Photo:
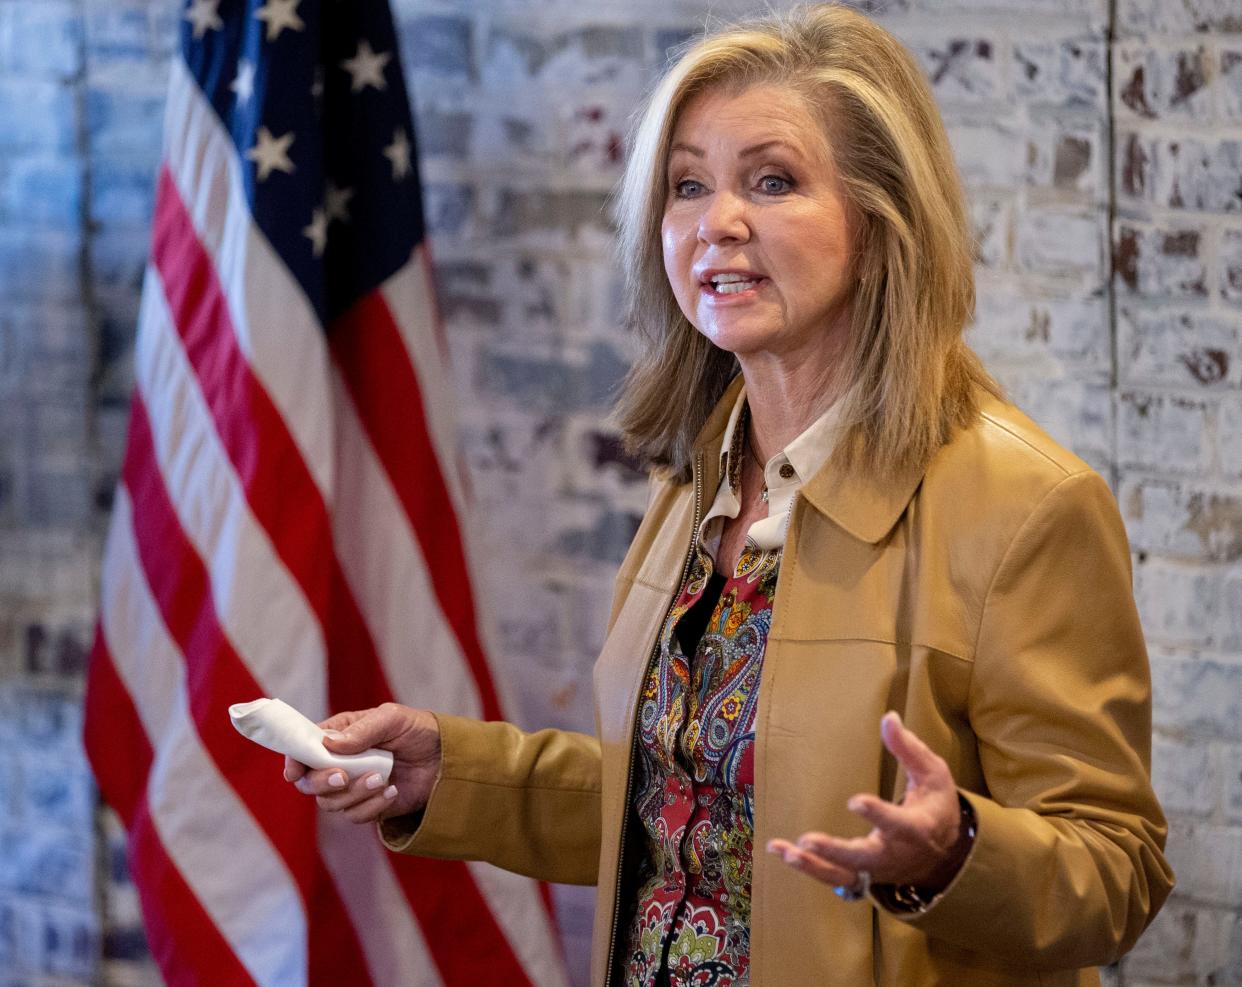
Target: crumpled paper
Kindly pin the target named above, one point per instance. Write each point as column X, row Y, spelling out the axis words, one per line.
column 279, row 727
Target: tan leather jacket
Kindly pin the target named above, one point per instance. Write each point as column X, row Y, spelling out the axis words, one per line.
column 988, row 600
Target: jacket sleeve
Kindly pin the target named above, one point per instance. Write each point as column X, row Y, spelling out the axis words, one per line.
column 526, row 802
column 1067, row 866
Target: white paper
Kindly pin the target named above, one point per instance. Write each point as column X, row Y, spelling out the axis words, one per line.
column 281, row 728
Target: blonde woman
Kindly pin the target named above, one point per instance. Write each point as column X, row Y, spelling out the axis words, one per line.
column 874, row 702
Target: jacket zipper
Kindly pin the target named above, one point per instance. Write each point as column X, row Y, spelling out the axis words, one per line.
column 629, row 781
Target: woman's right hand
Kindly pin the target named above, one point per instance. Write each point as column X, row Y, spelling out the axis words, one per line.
column 413, row 736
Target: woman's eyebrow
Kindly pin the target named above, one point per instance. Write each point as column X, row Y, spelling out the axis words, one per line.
column 745, row 152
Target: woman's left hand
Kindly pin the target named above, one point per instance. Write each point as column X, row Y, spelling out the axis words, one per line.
column 917, row 842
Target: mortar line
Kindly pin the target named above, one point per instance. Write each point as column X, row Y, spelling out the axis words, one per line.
column 1110, row 287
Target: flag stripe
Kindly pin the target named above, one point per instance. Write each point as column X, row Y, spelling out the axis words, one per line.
column 270, row 316
column 183, row 940
column 248, row 891
column 395, row 945
column 392, row 581
column 262, row 610
column 216, row 677
column 277, row 483
column 411, row 302
column 367, row 348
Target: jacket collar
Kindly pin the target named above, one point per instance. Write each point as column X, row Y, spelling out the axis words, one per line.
column 865, row 505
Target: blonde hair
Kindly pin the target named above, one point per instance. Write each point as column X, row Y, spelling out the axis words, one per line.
column 917, row 380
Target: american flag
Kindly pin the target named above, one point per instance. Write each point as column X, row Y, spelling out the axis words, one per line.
column 290, row 521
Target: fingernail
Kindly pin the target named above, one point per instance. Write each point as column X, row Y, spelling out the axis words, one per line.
column 390, row 792
column 300, row 785
column 374, row 781
column 791, row 856
column 334, row 734
column 854, row 805
column 337, row 780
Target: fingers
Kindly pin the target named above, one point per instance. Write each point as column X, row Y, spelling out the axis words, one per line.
column 353, row 733
column 919, row 760
column 852, row 855
column 881, row 814
column 811, row 864
column 335, row 793
column 294, row 769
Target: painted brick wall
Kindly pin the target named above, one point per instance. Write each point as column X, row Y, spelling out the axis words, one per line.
column 1101, row 143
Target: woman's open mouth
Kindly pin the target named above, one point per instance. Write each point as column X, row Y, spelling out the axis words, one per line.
column 731, row 285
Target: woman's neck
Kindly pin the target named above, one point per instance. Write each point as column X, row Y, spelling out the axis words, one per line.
column 783, row 404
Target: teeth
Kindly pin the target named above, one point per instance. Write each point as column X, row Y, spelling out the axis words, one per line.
column 732, row 284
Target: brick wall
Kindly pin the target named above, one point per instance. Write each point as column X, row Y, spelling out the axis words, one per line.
column 1101, row 143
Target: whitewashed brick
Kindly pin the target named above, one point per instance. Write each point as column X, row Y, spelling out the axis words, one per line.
column 990, row 226
column 123, row 192
column 550, row 219
column 124, row 109
column 1184, row 348
column 1067, row 159
column 1160, row 262
column 1182, row 519
column 1231, row 613
column 1231, row 760
column 1180, row 17
column 1164, row 433
column 1208, row 861
column 989, row 155
column 1049, row 338
column 41, row 190
column 1069, row 72
column 1178, row 603
column 1164, row 84
column 1231, row 266
column 39, row 265
column 1200, row 697
column 962, row 68
column 134, row 33
column 1229, row 437
column 1229, row 83
column 1061, row 243
column 1186, row 776
column 40, row 115
column 40, row 39
column 1180, row 173
column 1184, row 944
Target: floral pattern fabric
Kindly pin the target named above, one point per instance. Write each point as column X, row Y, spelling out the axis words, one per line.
column 694, row 783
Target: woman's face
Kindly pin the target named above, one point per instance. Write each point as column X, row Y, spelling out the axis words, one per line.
column 756, row 233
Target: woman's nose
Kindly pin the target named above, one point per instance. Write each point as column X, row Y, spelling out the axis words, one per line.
column 723, row 219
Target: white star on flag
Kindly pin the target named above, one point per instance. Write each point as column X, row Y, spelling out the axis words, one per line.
column 205, row 16
column 243, row 83
column 398, row 152
column 317, row 231
column 366, row 68
column 271, row 153
column 278, row 15
column 337, row 200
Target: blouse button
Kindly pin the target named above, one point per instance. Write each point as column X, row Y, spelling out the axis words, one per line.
column 786, row 471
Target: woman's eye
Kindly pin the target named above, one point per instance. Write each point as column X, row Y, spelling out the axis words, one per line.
column 687, row 188
column 775, row 184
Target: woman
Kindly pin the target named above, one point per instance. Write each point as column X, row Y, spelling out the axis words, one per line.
column 854, row 523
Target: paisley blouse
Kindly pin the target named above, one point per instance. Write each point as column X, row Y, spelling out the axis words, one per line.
column 694, row 777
